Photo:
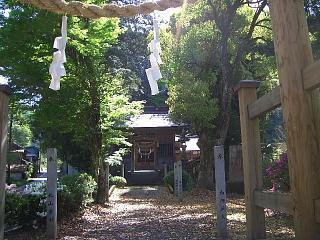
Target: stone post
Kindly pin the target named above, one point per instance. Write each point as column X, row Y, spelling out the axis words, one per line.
column 178, row 180
column 52, row 193
column 221, row 197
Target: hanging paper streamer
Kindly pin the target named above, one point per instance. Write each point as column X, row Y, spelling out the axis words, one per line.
column 57, row 69
column 155, row 48
column 154, row 73
column 155, row 67
column 152, row 81
column 156, row 30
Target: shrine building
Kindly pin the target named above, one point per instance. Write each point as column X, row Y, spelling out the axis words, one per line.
column 153, row 140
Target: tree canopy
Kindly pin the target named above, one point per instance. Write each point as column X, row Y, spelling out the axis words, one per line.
column 81, row 119
column 212, row 45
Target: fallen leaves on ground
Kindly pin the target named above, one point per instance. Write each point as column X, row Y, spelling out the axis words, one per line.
column 153, row 213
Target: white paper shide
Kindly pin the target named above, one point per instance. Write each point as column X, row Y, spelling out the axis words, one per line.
column 154, row 73
column 57, row 69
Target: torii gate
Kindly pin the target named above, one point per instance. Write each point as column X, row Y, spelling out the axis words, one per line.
column 299, row 76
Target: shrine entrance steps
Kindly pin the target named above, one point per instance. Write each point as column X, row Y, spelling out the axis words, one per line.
column 144, row 177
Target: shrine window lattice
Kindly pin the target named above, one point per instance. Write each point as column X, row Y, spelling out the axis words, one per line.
column 165, row 150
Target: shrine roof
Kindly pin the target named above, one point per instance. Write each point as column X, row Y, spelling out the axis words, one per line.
column 148, row 120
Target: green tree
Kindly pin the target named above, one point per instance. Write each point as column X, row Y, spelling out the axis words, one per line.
column 19, row 129
column 75, row 119
column 20, row 117
column 22, row 134
column 130, row 54
column 213, row 42
column 312, row 8
column 192, row 79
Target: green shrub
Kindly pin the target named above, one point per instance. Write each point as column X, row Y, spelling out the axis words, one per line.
column 74, row 192
column 187, row 181
column 78, row 189
column 66, row 203
column 120, row 182
column 23, row 209
column 32, row 170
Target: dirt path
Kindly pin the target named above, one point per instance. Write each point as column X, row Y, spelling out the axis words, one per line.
column 151, row 213
column 145, row 213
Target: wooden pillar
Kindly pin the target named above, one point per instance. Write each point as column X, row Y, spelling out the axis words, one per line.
column 251, row 151
column 293, row 52
column 52, row 193
column 155, row 157
column 221, row 198
column 4, row 102
column 133, row 163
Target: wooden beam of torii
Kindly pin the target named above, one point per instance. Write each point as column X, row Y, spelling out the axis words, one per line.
column 76, row 8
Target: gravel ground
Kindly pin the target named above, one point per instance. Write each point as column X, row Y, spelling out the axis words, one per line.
column 152, row 213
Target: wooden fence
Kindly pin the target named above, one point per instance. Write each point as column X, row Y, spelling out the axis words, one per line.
column 251, row 109
column 298, row 95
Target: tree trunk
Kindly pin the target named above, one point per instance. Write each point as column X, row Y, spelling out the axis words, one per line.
column 102, row 184
column 96, row 158
column 95, row 132
column 99, row 166
column 205, row 177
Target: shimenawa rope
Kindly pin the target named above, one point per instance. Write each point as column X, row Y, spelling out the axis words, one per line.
column 76, row 8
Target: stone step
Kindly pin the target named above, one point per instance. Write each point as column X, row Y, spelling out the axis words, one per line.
column 144, row 177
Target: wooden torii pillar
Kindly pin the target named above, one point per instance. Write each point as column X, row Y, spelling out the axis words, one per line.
column 293, row 53
column 4, row 102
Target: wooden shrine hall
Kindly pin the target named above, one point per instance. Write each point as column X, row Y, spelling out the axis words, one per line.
column 153, row 140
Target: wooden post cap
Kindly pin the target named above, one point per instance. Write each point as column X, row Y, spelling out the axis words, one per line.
column 247, row 84
column 6, row 89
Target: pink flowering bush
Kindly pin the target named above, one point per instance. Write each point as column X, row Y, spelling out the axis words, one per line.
column 278, row 174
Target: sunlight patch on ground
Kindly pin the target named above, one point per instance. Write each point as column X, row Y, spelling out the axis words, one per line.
column 237, row 217
column 284, row 230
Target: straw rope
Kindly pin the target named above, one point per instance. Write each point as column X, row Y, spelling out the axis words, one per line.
column 76, row 8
